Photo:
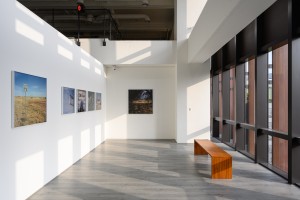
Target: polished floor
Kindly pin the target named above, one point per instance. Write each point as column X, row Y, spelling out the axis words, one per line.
column 161, row 169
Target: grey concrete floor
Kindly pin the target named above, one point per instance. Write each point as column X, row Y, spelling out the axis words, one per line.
column 161, row 169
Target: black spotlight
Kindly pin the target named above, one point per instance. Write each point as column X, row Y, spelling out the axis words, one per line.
column 104, row 42
column 77, row 42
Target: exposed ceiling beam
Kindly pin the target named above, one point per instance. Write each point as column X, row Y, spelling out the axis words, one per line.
column 128, row 15
column 67, row 4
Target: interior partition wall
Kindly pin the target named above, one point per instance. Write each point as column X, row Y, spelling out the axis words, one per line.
column 256, row 96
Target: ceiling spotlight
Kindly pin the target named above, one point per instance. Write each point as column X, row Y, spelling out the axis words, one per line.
column 145, row 3
column 77, row 42
column 114, row 67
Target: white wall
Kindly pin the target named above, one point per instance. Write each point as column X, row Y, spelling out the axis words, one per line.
column 194, row 9
column 33, row 155
column 193, row 87
column 132, row 52
column 160, row 124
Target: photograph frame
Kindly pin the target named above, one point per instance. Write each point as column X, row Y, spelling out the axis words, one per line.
column 81, row 94
column 140, row 101
column 98, row 105
column 91, row 101
column 65, row 100
column 28, row 99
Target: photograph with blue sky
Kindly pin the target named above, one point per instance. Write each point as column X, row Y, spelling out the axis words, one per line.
column 37, row 86
column 29, row 99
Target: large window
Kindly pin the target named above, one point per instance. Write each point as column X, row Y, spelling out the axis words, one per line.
column 280, row 106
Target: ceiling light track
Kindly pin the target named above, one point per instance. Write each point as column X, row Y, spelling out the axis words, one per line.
column 99, row 16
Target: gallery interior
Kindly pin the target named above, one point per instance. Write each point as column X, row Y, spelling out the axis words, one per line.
column 150, row 99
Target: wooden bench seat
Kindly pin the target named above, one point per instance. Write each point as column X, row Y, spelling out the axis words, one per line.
column 221, row 161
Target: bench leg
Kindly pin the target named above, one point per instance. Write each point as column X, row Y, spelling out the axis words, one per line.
column 221, row 168
column 198, row 150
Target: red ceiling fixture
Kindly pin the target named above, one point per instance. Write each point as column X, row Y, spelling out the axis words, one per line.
column 80, row 6
column 80, row 9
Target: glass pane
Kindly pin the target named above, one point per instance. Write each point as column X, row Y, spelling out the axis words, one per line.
column 250, row 92
column 232, row 104
column 250, row 105
column 232, row 135
column 220, row 106
column 270, row 86
column 246, row 91
column 250, row 141
column 270, row 150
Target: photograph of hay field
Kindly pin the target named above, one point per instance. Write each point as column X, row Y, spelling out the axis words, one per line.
column 91, row 101
column 98, row 101
column 81, row 100
column 140, row 102
column 29, row 99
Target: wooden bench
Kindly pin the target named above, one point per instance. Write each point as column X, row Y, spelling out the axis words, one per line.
column 221, row 162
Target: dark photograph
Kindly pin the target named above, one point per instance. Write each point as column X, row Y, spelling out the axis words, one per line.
column 140, row 102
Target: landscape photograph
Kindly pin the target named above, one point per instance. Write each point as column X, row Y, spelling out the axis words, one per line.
column 68, row 100
column 81, row 100
column 91, row 101
column 98, row 101
column 29, row 99
column 140, row 102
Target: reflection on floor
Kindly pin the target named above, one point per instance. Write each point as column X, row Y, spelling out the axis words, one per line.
column 161, row 169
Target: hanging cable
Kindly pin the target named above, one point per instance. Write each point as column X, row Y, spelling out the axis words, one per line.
column 78, row 31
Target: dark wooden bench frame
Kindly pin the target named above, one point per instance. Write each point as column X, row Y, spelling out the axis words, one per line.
column 221, row 161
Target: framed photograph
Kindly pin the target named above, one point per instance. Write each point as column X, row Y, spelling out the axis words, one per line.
column 81, row 100
column 29, row 99
column 91, row 101
column 140, row 101
column 68, row 100
column 98, row 101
